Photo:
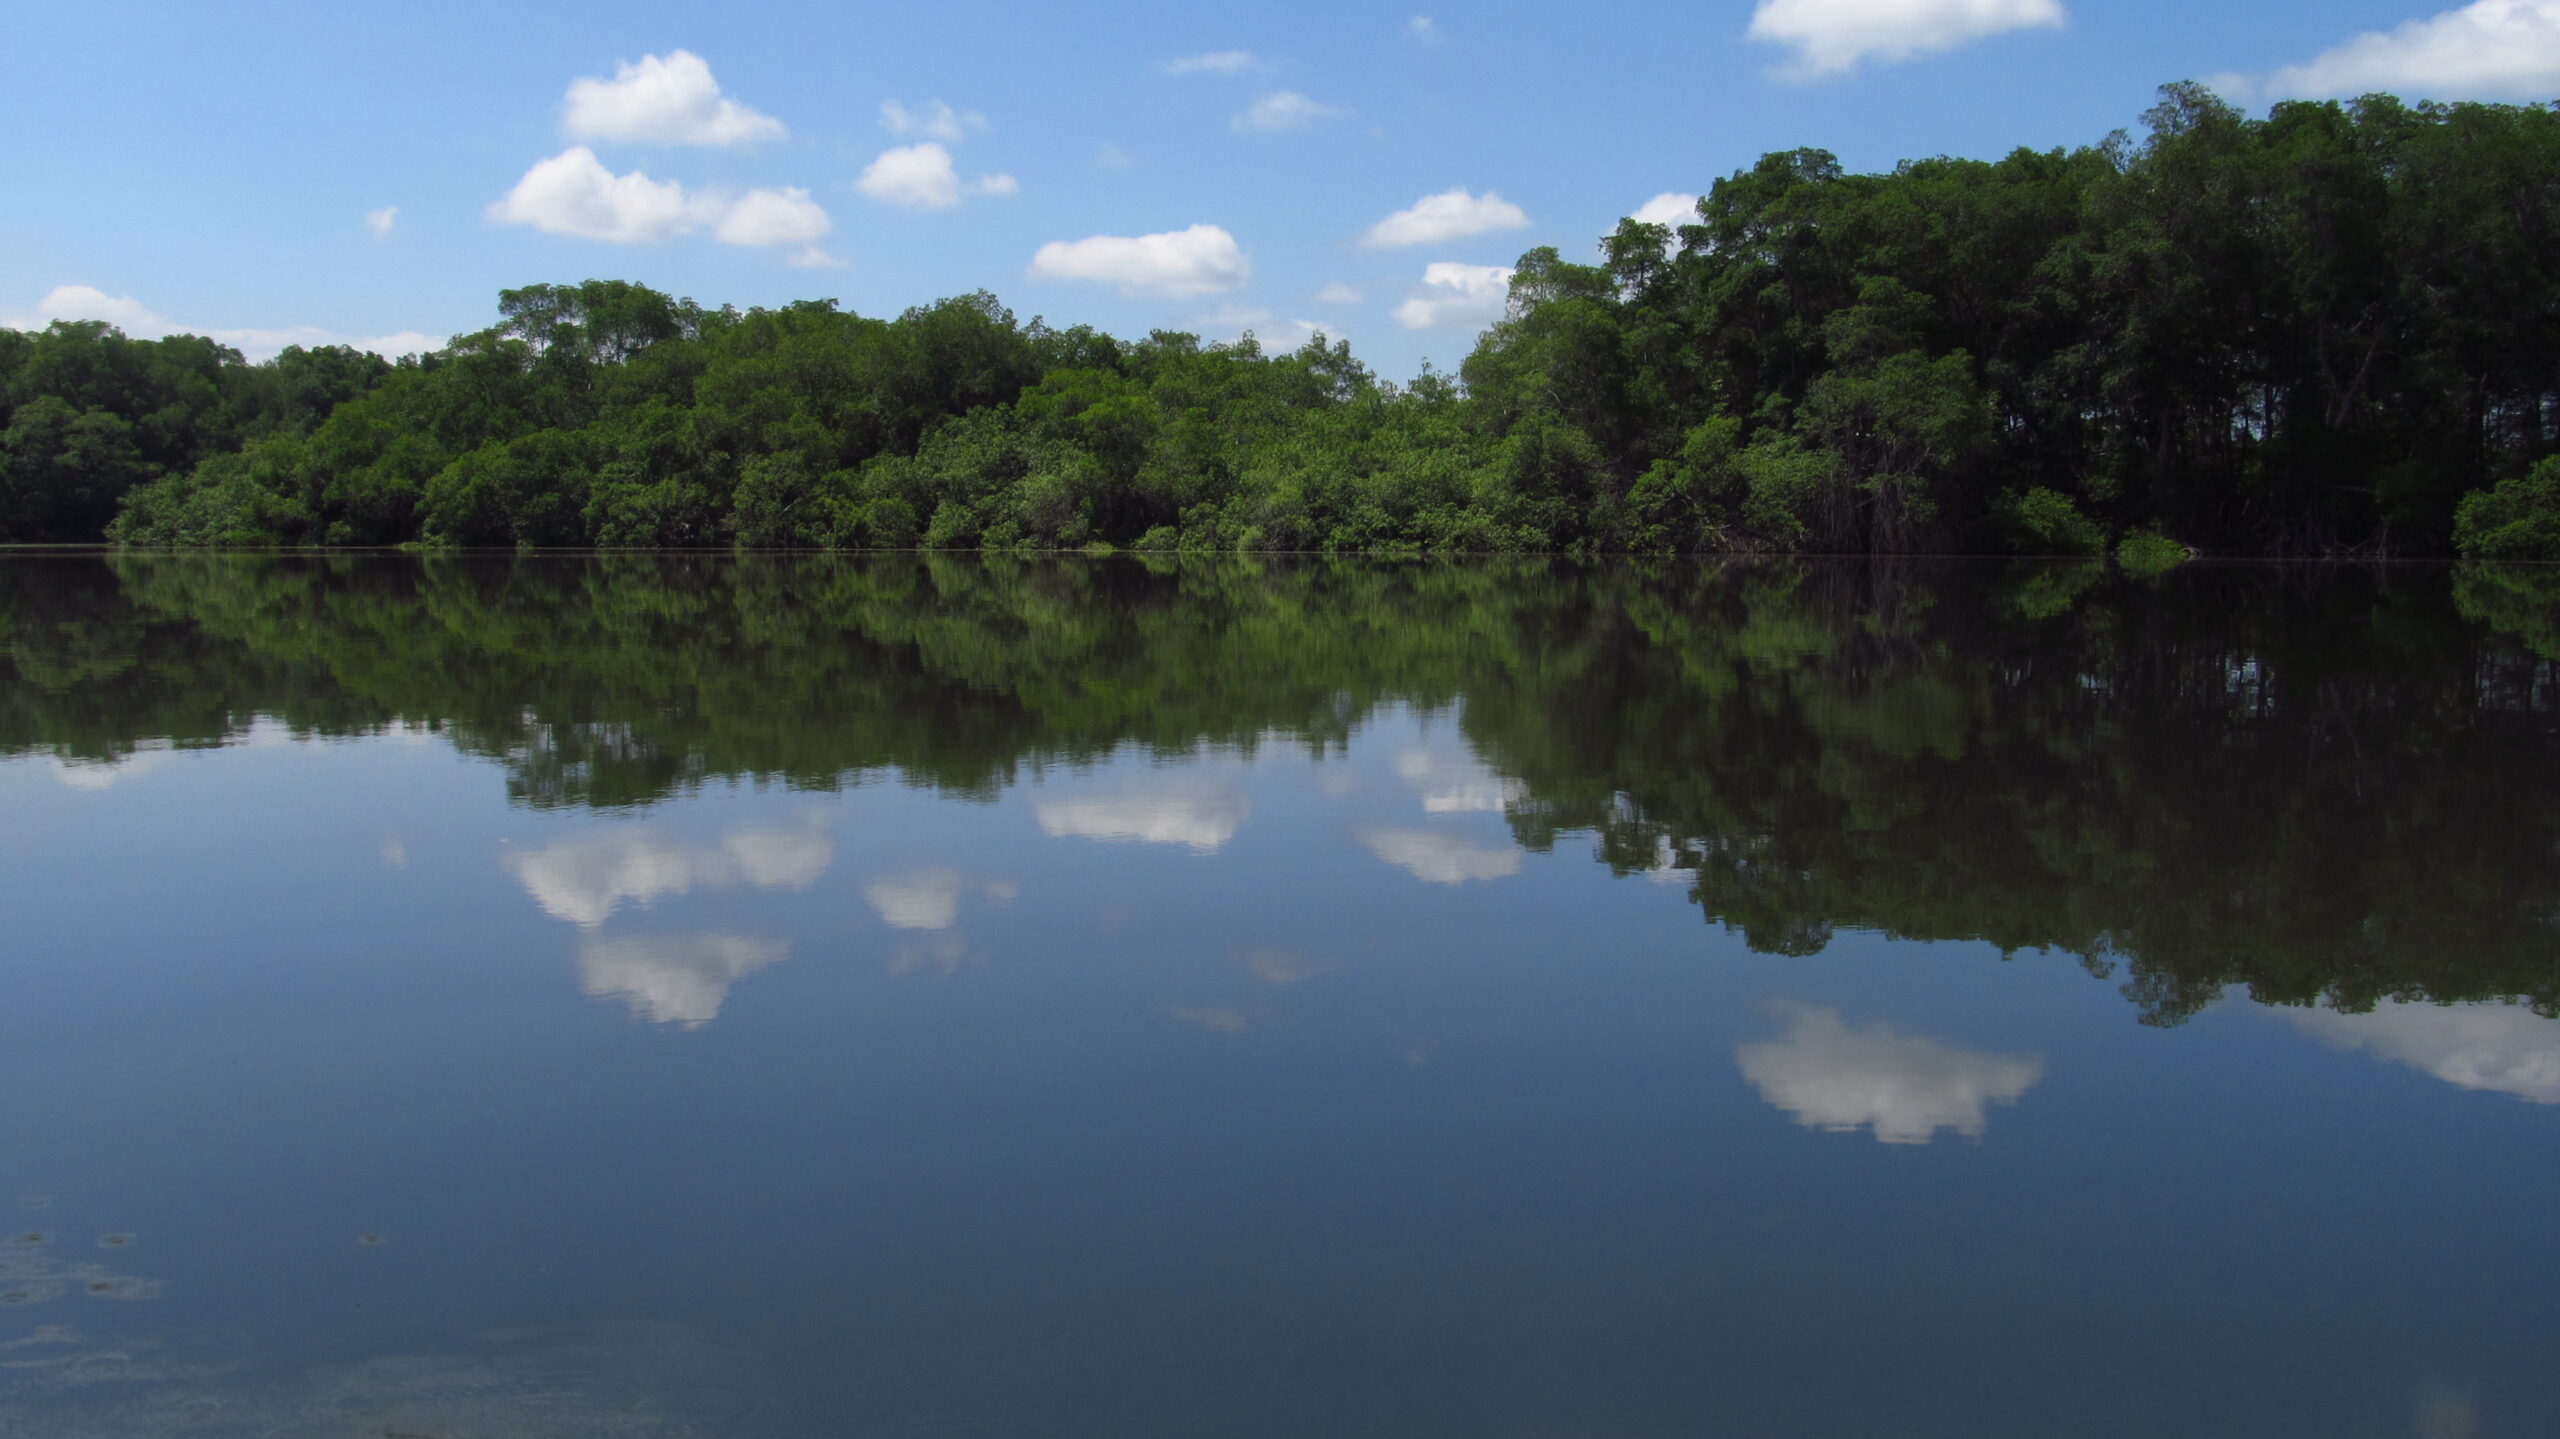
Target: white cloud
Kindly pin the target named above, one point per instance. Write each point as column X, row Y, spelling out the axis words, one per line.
column 1424, row 29
column 572, row 193
column 1213, row 1019
column 1831, row 36
column 1457, row 783
column 1902, row 1086
column 921, row 177
column 774, row 217
column 934, row 121
column 673, row 101
column 87, row 302
column 1671, row 207
column 674, row 979
column 2474, row 1046
column 1202, row 816
column 1202, row 260
column 1108, row 156
column 1452, row 293
column 1216, row 62
column 401, row 342
column 583, row 881
column 1337, row 293
column 1440, row 858
column 378, row 223
column 929, row 898
column 2491, row 50
column 1449, row 215
column 1284, row 110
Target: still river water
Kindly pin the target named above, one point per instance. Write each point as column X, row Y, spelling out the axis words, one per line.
column 641, row 997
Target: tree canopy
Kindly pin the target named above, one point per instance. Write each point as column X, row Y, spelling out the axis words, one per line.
column 2334, row 329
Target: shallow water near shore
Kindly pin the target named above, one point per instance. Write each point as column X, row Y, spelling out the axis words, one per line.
column 901, row 996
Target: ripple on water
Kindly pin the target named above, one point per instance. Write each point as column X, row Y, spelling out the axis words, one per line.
column 121, row 1286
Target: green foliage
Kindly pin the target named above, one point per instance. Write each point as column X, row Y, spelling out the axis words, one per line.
column 2517, row 519
column 2519, row 600
column 2149, row 552
column 2325, row 330
column 2041, row 521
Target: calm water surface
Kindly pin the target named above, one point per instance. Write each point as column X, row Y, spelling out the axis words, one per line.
column 564, row 996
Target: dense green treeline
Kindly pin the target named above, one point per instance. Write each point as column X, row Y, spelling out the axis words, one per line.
column 2334, row 329
column 2320, row 783
column 87, row 416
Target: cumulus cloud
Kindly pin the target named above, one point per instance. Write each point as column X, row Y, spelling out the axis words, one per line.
column 1216, row 62
column 1672, row 207
column 677, row 978
column 1202, row 260
column 378, row 223
column 583, row 881
column 1283, row 110
column 2473, row 1046
column 930, row 898
column 1449, row 215
column 774, row 217
column 671, row 101
column 87, row 302
column 1337, row 293
column 1424, row 29
column 1452, row 783
column 2491, row 50
column 1108, row 156
column 922, row 177
column 1440, row 858
column 1201, row 816
column 1832, row 36
column 572, row 193
column 1452, row 293
column 1903, row 1087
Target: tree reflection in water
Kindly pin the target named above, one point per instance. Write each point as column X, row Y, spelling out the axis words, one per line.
column 2325, row 784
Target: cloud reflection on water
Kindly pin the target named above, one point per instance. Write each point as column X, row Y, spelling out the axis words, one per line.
column 930, row 898
column 1202, row 816
column 1440, row 858
column 674, row 978
column 583, row 881
column 1902, row 1086
column 1457, row 783
column 2497, row 1047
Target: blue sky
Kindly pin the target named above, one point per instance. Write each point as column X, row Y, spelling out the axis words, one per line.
column 1364, row 168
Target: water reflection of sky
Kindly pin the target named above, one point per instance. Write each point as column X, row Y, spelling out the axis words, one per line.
column 1179, row 1094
